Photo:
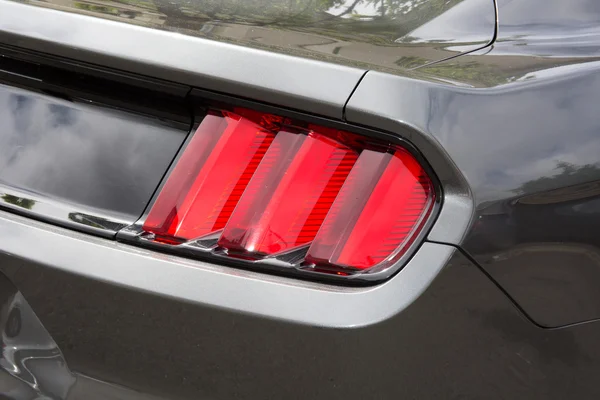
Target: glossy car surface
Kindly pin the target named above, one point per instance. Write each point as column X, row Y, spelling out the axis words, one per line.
column 500, row 298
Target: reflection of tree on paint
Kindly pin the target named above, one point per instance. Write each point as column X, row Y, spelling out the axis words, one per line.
column 299, row 12
column 368, row 20
column 18, row 201
column 471, row 72
column 569, row 175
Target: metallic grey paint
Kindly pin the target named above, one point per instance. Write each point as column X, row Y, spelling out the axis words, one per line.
column 216, row 286
column 31, row 364
column 462, row 338
column 520, row 123
column 529, row 148
column 387, row 35
column 263, row 76
column 538, row 137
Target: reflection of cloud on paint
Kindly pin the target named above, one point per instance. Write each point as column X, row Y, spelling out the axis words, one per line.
column 552, row 48
column 549, row 27
column 542, row 15
column 516, row 133
column 372, row 8
column 73, row 152
column 471, row 21
column 559, row 71
column 362, row 8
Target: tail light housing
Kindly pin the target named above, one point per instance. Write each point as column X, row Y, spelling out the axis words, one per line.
column 263, row 190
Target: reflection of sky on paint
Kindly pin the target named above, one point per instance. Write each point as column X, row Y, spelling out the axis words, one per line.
column 555, row 28
column 72, row 152
column 371, row 9
column 471, row 21
column 361, row 8
column 557, row 72
column 519, row 132
column 548, row 28
column 547, row 13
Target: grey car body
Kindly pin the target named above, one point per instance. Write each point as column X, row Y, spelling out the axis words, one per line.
column 500, row 300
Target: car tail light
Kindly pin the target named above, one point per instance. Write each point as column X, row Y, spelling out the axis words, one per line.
column 207, row 182
column 290, row 194
column 268, row 191
column 376, row 213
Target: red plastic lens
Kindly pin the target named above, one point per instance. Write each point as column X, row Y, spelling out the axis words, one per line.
column 210, row 177
column 376, row 214
column 290, row 194
column 257, row 186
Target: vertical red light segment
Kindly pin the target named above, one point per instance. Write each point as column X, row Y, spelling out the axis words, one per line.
column 205, row 186
column 289, row 195
column 375, row 216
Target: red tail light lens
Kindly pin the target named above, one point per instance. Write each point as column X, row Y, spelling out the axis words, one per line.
column 384, row 201
column 261, row 188
column 207, row 182
column 289, row 195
